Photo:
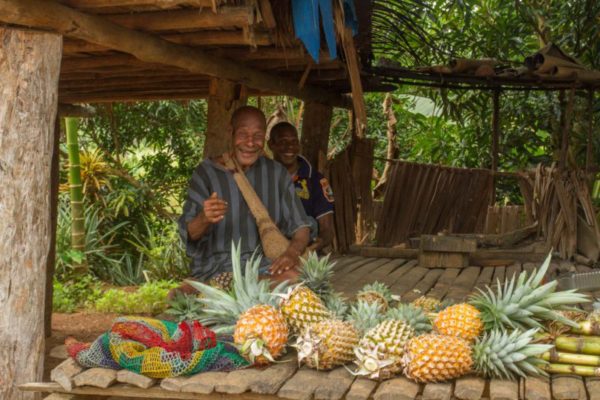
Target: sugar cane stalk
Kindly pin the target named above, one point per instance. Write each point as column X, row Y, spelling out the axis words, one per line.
column 580, row 344
column 580, row 370
column 587, row 328
column 571, row 358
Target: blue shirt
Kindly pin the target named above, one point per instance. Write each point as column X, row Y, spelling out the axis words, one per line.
column 211, row 253
column 313, row 189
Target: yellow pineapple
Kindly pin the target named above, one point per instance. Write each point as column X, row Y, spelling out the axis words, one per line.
column 427, row 304
column 497, row 354
column 375, row 293
column 433, row 358
column 248, row 311
column 261, row 326
column 302, row 307
column 460, row 320
column 223, row 281
column 327, row 344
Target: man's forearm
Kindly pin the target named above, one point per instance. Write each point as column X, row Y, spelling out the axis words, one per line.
column 300, row 240
column 198, row 227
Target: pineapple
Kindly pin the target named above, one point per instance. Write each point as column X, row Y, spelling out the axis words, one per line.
column 327, row 344
column 413, row 316
column 380, row 350
column 461, row 320
column 316, row 274
column 248, row 311
column 376, row 293
column 301, row 307
column 337, row 304
column 184, row 307
column 364, row 316
column 433, row 358
column 430, row 304
column 223, row 281
column 524, row 303
column 498, row 354
column 260, row 327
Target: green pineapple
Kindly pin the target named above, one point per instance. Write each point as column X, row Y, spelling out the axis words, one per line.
column 379, row 352
column 337, row 304
column 524, row 303
column 413, row 316
column 184, row 307
column 316, row 273
column 376, row 293
column 365, row 316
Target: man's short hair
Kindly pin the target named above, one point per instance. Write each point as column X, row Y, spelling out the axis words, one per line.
column 244, row 110
column 281, row 127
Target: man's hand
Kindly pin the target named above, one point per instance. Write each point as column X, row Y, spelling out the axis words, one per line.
column 214, row 208
column 289, row 260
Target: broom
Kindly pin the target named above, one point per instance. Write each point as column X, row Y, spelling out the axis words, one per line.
column 273, row 242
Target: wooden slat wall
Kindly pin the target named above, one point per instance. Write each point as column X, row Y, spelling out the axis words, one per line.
column 423, row 198
column 344, row 217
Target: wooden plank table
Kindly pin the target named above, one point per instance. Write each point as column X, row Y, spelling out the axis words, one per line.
column 285, row 380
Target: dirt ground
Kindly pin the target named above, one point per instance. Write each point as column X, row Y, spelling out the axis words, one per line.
column 84, row 327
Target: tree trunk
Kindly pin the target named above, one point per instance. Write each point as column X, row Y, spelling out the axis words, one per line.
column 223, row 100
column 315, row 133
column 76, row 193
column 29, row 70
column 392, row 150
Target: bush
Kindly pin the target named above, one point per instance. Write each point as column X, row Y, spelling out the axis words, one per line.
column 150, row 298
column 69, row 296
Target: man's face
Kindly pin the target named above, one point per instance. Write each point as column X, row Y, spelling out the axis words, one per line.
column 248, row 139
column 285, row 147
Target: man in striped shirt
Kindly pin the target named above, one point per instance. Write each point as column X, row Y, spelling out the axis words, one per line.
column 215, row 214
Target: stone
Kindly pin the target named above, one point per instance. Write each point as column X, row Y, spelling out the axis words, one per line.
column 97, row 377
column 437, row 391
column 469, row 388
column 336, row 385
column 64, row 372
column 397, row 389
column 173, row 384
column 59, row 352
column 130, row 377
column 568, row 388
column 537, row 388
column 361, row 389
column 593, row 388
column 237, row 382
column 203, row 383
column 272, row 378
column 302, row 385
column 504, row 390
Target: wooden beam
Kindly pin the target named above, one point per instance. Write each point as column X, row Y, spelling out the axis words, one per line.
column 172, row 20
column 95, row 4
column 267, row 14
column 29, row 76
column 152, row 49
column 495, row 138
column 193, row 85
column 315, row 133
column 224, row 97
column 193, row 39
column 69, row 110
column 134, row 81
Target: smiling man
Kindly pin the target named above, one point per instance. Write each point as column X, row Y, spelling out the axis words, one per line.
column 311, row 186
column 215, row 213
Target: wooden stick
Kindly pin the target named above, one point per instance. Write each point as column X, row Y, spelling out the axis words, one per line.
column 566, row 129
column 151, row 49
column 92, row 4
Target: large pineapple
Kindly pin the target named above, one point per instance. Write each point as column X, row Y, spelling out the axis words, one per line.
column 248, row 311
column 379, row 352
column 301, row 307
column 316, row 274
column 413, row 316
column 525, row 303
column 376, row 293
column 461, row 320
column 498, row 354
column 327, row 344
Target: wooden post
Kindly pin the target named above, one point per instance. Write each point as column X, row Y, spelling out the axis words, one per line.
column 495, row 139
column 315, row 133
column 224, row 97
column 566, row 129
column 589, row 153
column 29, row 71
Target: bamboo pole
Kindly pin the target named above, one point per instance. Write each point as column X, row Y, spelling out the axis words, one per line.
column 580, row 344
column 579, row 370
column 587, row 328
column 152, row 49
column 571, row 358
column 76, row 191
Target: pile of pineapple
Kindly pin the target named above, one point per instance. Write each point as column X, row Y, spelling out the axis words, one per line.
column 494, row 334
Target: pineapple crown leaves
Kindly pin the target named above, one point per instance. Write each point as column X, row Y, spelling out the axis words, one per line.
column 499, row 354
column 413, row 316
column 184, row 307
column 522, row 302
column 377, row 287
column 364, row 316
column 337, row 304
column 316, row 273
column 222, row 309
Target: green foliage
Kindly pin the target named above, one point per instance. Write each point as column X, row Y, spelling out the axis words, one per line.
column 185, row 307
column 70, row 296
column 150, row 298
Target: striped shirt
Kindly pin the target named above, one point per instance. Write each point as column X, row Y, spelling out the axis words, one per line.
column 211, row 254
